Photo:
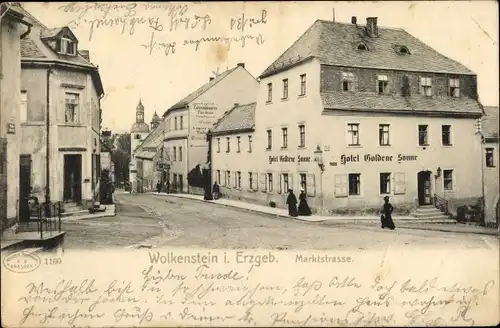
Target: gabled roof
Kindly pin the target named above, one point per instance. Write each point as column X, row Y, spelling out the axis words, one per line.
column 336, row 44
column 239, row 118
column 201, row 90
column 490, row 122
column 365, row 101
column 55, row 31
column 147, row 142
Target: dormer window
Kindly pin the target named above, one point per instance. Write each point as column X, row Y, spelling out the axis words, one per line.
column 65, row 46
column 402, row 50
column 362, row 46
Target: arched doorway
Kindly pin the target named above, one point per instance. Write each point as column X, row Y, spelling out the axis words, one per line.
column 424, row 187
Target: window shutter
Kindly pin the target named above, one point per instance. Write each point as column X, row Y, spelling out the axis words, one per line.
column 399, row 183
column 255, row 182
column 235, row 179
column 341, row 185
column 280, row 183
column 310, row 185
column 263, row 182
column 214, row 176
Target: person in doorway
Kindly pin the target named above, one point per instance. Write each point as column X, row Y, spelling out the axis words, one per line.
column 292, row 204
column 386, row 217
column 304, row 209
column 215, row 191
column 158, row 187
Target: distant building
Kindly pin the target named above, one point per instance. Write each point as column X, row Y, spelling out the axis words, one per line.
column 353, row 113
column 138, row 132
column 13, row 27
column 491, row 164
column 188, row 121
column 106, row 153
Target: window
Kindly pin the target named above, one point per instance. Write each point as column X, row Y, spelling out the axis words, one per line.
column 180, row 154
column 353, row 134
column 448, row 179
column 138, row 136
column 385, row 183
column 218, row 176
column 249, row 144
column 362, row 46
column 65, row 46
column 490, row 158
column 383, row 83
column 24, row 106
column 354, row 184
column 454, row 88
column 270, row 182
column 426, row 86
column 238, row 144
column 284, row 178
column 302, row 85
column 302, row 133
column 238, row 179
column 422, row 135
column 181, row 123
column 285, row 137
column 303, row 181
column 383, row 134
column 175, row 154
column 72, row 102
column 218, row 145
column 269, row 139
column 285, row 88
column 228, row 145
column 175, row 123
column 228, row 178
column 269, row 92
column 250, row 180
column 347, row 81
column 446, row 135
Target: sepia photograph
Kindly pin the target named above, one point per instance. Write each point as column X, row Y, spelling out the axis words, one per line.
column 291, row 164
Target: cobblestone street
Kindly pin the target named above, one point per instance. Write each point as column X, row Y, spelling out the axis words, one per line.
column 171, row 221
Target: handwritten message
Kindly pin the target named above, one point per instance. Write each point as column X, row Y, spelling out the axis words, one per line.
column 245, row 288
column 163, row 23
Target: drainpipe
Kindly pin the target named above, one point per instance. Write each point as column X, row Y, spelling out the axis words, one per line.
column 28, row 31
column 47, row 145
column 187, row 148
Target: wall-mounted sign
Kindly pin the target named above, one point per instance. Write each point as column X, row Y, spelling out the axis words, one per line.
column 288, row 159
column 367, row 158
column 11, row 128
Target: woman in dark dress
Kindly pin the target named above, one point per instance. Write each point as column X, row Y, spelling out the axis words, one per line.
column 292, row 203
column 386, row 217
column 304, row 209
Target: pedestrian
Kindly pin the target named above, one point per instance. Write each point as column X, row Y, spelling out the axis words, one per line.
column 304, row 209
column 215, row 190
column 292, row 204
column 158, row 186
column 386, row 217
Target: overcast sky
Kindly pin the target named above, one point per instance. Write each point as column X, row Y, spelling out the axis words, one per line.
column 130, row 69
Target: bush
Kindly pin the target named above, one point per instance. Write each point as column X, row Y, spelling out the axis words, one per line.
column 272, row 204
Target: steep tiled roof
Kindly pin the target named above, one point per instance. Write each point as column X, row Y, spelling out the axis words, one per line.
column 30, row 49
column 490, row 122
column 198, row 92
column 51, row 32
column 239, row 118
column 337, row 44
column 387, row 103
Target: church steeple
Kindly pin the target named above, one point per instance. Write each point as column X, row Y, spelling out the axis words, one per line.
column 139, row 112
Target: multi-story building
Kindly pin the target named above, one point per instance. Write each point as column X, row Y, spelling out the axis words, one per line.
column 233, row 166
column 188, row 121
column 490, row 164
column 138, row 132
column 60, row 115
column 355, row 113
column 13, row 28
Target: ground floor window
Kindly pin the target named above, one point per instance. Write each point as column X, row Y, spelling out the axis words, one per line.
column 217, row 177
column 285, row 182
column 385, row 183
column 253, row 181
column 238, row 179
column 227, row 179
column 354, row 184
column 270, row 182
column 448, row 179
column 303, row 181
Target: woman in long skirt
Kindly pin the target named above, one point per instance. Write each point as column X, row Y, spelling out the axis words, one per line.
column 304, row 209
column 292, row 203
column 386, row 217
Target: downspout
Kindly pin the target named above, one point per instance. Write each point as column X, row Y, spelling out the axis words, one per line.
column 28, row 31
column 187, row 147
column 47, row 145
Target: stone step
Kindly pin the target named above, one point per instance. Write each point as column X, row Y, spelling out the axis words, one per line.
column 433, row 217
column 426, row 209
column 434, row 213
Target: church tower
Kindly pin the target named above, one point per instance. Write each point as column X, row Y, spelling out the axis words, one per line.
column 138, row 132
column 155, row 121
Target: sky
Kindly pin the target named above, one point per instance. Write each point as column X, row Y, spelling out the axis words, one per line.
column 147, row 51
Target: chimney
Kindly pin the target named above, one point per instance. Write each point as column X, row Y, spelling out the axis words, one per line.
column 241, row 65
column 211, row 78
column 333, row 17
column 354, row 20
column 371, row 27
column 236, row 104
column 85, row 54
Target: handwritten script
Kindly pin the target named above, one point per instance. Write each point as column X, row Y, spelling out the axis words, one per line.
column 235, row 289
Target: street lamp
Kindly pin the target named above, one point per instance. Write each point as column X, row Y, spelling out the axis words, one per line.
column 318, row 158
column 438, row 172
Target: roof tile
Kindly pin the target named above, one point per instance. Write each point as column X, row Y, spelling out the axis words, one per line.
column 241, row 117
column 490, row 122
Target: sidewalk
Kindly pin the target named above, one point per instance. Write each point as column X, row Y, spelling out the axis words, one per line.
column 110, row 211
column 405, row 222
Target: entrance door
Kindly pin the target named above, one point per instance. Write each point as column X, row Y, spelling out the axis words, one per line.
column 24, row 186
column 72, row 178
column 424, row 188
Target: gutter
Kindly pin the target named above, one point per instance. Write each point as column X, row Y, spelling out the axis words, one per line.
column 28, row 31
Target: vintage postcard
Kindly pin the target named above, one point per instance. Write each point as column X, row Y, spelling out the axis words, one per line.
column 249, row 164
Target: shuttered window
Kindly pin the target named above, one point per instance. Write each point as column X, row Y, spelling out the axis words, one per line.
column 399, row 183
column 341, row 185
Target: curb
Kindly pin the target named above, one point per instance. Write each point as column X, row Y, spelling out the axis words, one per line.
column 454, row 231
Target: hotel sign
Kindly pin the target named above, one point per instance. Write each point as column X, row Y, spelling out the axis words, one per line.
column 370, row 158
column 289, row 159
